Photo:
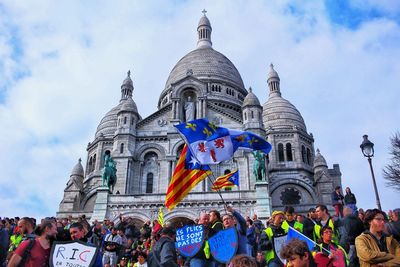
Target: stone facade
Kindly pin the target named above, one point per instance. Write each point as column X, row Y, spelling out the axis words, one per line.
column 146, row 150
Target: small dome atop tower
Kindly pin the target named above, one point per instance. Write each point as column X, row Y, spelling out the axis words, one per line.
column 204, row 32
column 127, row 87
column 319, row 160
column 251, row 99
column 77, row 170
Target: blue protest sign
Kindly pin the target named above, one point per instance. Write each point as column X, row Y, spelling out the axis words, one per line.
column 189, row 240
column 223, row 245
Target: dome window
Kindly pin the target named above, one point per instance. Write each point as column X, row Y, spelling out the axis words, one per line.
column 125, row 120
column 308, row 156
column 252, row 114
column 90, row 165
column 121, row 149
column 303, row 154
column 149, row 183
column 289, row 155
column 281, row 156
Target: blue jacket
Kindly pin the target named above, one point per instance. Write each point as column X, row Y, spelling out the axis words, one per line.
column 241, row 230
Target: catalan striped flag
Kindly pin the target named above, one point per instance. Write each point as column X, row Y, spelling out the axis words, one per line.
column 228, row 180
column 188, row 173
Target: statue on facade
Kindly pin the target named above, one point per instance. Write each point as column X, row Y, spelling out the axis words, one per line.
column 259, row 165
column 109, row 172
column 189, row 109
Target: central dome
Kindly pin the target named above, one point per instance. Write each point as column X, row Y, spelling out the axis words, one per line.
column 206, row 63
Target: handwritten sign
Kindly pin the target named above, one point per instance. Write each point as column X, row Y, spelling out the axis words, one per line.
column 279, row 243
column 189, row 240
column 72, row 254
column 223, row 245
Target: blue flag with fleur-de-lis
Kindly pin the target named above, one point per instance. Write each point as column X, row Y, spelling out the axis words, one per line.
column 211, row 144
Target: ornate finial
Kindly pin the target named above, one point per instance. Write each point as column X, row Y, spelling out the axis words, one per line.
column 317, row 150
column 204, row 12
column 129, row 73
column 271, row 65
column 250, row 89
column 79, row 160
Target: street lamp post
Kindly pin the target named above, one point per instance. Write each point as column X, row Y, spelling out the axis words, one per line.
column 367, row 148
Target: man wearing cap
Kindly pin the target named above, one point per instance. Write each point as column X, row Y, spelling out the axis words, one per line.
column 112, row 243
column 266, row 241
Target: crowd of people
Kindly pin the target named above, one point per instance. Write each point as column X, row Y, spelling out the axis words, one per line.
column 351, row 237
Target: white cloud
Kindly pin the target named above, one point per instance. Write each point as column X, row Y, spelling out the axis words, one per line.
column 76, row 55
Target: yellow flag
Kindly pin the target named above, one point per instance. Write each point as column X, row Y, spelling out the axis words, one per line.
column 160, row 217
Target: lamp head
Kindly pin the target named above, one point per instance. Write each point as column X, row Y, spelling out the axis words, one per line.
column 367, row 147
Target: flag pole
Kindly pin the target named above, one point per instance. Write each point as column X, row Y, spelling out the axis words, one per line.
column 218, row 190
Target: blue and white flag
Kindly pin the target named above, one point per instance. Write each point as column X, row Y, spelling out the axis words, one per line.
column 293, row 233
column 211, row 144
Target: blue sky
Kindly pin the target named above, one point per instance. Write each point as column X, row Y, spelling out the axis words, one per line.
column 62, row 64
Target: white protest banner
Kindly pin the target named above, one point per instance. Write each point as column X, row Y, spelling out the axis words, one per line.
column 72, row 254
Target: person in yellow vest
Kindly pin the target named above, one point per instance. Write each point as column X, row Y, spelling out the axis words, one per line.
column 324, row 219
column 125, row 262
column 333, row 253
column 267, row 239
column 290, row 220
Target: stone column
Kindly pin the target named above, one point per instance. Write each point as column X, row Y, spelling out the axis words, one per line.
column 263, row 200
column 100, row 206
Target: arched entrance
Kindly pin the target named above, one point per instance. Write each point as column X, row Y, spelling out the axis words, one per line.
column 178, row 222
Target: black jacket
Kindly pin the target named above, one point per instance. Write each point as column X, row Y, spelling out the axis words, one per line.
column 163, row 253
column 350, row 227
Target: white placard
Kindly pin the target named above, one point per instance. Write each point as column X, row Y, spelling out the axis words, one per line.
column 72, row 254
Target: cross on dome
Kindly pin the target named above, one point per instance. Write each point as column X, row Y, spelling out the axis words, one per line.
column 204, row 11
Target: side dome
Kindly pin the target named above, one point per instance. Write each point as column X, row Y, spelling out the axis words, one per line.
column 78, row 169
column 319, row 160
column 280, row 113
column 128, row 105
column 206, row 64
column 251, row 99
column 108, row 124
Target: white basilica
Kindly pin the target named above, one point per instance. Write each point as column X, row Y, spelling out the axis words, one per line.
column 203, row 84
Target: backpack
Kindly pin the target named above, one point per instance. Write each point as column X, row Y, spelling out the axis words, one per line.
column 27, row 252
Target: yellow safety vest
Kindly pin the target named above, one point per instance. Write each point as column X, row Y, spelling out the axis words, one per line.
column 15, row 240
column 270, row 254
column 317, row 229
column 297, row 225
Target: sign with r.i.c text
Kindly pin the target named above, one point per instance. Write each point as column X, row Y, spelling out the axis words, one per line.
column 189, row 240
column 72, row 254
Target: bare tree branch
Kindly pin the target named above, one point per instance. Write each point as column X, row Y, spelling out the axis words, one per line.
column 391, row 172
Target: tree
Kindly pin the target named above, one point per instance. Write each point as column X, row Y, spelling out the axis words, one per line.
column 391, row 172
